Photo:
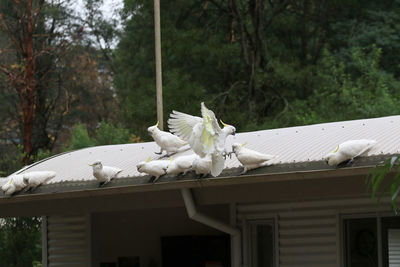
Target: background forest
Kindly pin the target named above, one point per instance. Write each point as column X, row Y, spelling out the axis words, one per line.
column 70, row 80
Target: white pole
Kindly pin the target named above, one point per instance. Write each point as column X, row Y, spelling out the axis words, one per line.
column 157, row 33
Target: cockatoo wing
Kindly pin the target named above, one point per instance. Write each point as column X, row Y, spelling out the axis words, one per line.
column 111, row 172
column 247, row 156
column 210, row 131
column 170, row 141
column 354, row 148
column 156, row 167
column 186, row 162
column 210, row 121
column 38, row 177
column 181, row 124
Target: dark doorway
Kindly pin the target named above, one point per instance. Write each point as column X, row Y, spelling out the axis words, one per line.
column 196, row 251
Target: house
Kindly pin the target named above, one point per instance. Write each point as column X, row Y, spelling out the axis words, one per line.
column 296, row 212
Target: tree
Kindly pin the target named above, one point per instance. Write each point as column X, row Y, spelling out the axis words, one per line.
column 70, row 78
column 257, row 63
column 36, row 44
column 20, row 241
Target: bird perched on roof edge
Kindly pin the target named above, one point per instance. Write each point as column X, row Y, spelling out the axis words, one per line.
column 35, row 178
column 349, row 150
column 15, row 184
column 181, row 164
column 250, row 159
column 165, row 140
column 202, row 166
column 104, row 174
column 154, row 168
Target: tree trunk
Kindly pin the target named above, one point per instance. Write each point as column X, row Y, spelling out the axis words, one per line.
column 28, row 102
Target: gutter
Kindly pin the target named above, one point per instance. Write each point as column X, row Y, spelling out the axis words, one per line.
column 274, row 173
column 216, row 224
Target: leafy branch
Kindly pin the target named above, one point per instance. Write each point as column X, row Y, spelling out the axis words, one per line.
column 382, row 171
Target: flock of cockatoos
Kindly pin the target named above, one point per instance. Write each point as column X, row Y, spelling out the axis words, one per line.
column 207, row 140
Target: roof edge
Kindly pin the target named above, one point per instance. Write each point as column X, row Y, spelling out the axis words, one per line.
column 273, row 173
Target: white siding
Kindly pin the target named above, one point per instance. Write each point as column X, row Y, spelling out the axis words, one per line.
column 394, row 247
column 68, row 241
column 308, row 232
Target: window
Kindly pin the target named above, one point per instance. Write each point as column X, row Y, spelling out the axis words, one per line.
column 371, row 242
column 261, row 243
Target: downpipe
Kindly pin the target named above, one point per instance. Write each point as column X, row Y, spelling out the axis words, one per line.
column 216, row 224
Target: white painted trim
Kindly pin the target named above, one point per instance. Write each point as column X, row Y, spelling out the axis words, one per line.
column 272, row 221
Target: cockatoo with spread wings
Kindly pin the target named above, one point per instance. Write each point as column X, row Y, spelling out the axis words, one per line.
column 204, row 135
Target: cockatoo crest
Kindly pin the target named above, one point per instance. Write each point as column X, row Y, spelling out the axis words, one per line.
column 336, row 150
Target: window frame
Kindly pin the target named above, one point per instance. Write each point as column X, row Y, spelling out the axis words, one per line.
column 247, row 242
column 378, row 217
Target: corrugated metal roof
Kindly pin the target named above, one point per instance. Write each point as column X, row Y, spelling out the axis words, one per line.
column 292, row 145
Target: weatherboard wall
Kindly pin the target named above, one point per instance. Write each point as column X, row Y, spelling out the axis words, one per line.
column 67, row 241
column 308, row 233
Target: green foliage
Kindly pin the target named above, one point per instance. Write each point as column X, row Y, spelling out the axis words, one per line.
column 20, row 241
column 13, row 159
column 355, row 89
column 80, row 138
column 380, row 181
column 106, row 134
column 286, row 63
column 109, row 134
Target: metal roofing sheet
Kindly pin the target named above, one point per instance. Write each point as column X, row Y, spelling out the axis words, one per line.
column 291, row 145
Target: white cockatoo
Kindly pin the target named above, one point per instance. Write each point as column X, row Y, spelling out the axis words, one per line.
column 15, row 184
column 204, row 135
column 202, row 166
column 250, row 159
column 104, row 174
column 348, row 151
column 181, row 164
column 35, row 178
column 165, row 140
column 154, row 168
